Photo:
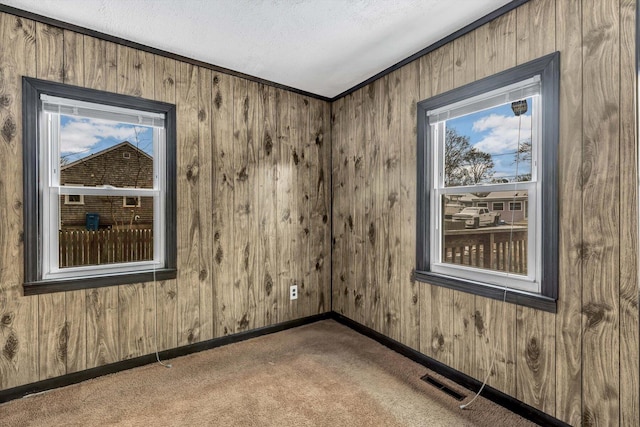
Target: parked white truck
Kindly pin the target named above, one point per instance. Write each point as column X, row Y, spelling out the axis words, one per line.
column 476, row 217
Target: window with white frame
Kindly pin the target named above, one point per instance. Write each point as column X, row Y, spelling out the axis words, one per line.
column 74, row 199
column 75, row 142
column 131, row 202
column 491, row 143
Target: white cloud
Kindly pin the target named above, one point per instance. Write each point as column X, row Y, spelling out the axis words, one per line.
column 80, row 135
column 503, row 133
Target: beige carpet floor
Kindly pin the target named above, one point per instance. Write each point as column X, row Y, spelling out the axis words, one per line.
column 322, row 374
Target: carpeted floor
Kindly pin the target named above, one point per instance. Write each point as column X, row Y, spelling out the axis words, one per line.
column 322, row 374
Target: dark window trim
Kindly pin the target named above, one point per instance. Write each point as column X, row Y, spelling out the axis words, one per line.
column 31, row 91
column 548, row 67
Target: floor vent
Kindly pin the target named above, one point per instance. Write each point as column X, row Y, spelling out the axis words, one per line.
column 437, row 384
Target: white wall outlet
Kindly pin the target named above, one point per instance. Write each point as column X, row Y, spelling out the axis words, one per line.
column 293, row 292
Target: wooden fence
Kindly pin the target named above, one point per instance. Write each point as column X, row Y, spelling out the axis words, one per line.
column 84, row 247
column 495, row 248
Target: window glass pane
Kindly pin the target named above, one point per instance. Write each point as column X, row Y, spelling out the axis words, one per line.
column 96, row 152
column 103, row 231
column 489, row 146
column 479, row 237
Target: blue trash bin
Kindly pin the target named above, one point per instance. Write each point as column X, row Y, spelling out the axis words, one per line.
column 93, row 221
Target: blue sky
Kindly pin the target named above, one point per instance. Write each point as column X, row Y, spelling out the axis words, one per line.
column 495, row 131
column 81, row 137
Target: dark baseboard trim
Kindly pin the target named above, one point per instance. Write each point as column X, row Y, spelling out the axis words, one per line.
column 124, row 42
column 76, row 377
column 458, row 377
column 496, row 396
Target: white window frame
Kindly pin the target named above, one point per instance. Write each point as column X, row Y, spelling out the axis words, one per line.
column 136, row 205
column 530, row 89
column 53, row 109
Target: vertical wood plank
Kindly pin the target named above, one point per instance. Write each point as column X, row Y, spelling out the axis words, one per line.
column 18, row 314
column 53, row 329
column 535, row 364
column 73, row 68
column 495, row 45
column 356, row 200
column 318, row 209
column 569, row 316
column 205, row 194
column 100, row 64
column 300, row 137
column 268, row 155
column 391, row 178
column 629, row 333
column 100, row 72
column 326, row 150
column 254, row 302
column 535, row 369
column 75, row 301
column 189, row 215
column 167, row 290
column 349, row 219
column 535, row 29
column 284, row 200
column 410, row 289
column 464, row 71
column 136, row 302
column 223, row 203
column 371, row 105
column 495, row 333
column 242, row 206
column 341, row 255
column 601, row 247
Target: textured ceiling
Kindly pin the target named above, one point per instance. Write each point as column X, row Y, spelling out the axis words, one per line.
column 320, row 46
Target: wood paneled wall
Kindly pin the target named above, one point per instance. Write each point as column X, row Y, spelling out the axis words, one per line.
column 253, row 210
column 580, row 365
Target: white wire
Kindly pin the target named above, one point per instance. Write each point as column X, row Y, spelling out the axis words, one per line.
column 155, row 296
column 505, row 287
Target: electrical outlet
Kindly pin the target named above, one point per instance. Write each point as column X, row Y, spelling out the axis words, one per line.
column 293, row 292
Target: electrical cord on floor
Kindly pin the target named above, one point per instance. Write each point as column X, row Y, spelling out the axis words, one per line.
column 155, row 296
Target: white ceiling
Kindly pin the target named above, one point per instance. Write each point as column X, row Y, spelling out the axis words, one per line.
column 320, row 46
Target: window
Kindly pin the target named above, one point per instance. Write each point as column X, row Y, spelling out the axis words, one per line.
column 131, row 202
column 74, row 199
column 492, row 142
column 75, row 141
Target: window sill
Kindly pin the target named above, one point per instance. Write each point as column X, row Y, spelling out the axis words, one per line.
column 89, row 282
column 513, row 296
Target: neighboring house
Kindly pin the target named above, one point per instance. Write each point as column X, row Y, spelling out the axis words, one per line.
column 122, row 165
column 512, row 205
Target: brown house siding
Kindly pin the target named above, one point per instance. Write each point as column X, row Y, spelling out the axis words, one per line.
column 112, row 168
